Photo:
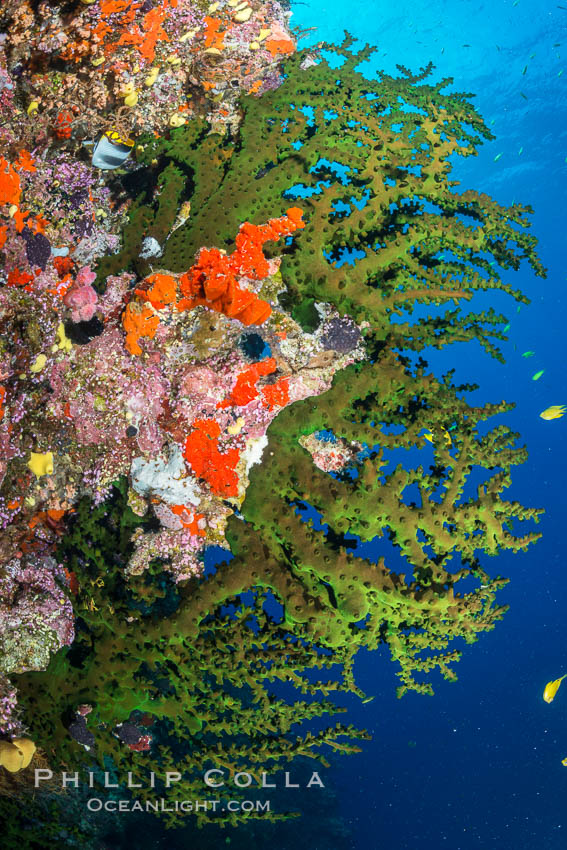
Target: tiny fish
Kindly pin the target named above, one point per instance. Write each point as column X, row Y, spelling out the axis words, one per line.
column 498, row 155
column 445, row 434
column 367, row 699
column 515, row 3
column 538, row 375
column 551, row 689
column 466, row 45
column 506, row 328
column 564, row 762
column 520, row 152
column 532, row 55
column 555, row 411
column 524, row 95
column 528, row 353
column 519, row 307
column 560, row 72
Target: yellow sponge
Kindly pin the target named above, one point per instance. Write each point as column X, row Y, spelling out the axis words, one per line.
column 17, row 754
column 41, row 463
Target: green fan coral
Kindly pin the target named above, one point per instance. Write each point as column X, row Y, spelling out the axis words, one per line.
column 371, row 162
column 343, row 601
column 377, row 554
column 440, row 533
column 207, row 691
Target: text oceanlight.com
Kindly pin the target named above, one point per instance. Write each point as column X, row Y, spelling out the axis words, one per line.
column 95, row 804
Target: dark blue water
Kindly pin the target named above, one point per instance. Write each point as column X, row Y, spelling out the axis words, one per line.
column 479, row 764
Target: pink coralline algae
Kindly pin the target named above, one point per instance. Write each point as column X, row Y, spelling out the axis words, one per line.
column 142, row 66
column 35, row 614
column 36, row 619
column 77, row 411
column 184, row 420
column 330, row 453
column 10, row 724
column 81, row 297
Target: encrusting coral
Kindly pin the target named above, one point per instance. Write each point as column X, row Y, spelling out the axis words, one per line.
column 109, row 64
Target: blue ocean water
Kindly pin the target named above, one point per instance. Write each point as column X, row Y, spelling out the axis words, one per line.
column 479, row 764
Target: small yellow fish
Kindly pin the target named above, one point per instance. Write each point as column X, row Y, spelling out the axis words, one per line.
column 564, row 762
column 444, row 433
column 551, row 689
column 556, row 411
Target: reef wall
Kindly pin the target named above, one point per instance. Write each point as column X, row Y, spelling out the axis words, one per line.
column 218, row 344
